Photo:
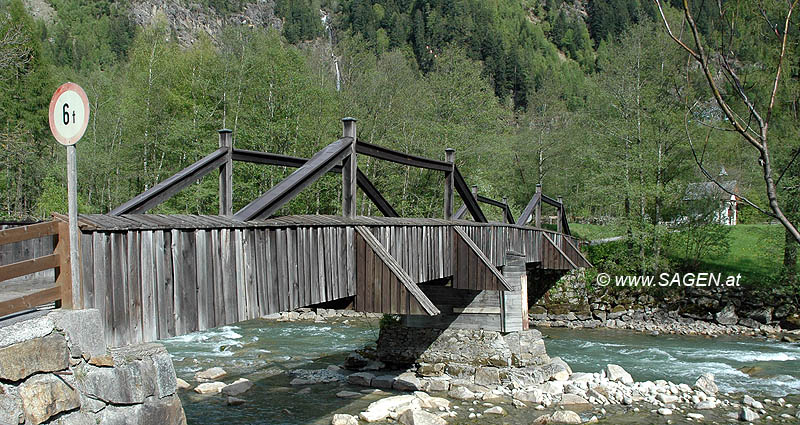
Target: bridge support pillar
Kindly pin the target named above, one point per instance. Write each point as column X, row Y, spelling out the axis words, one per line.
column 349, row 167
column 515, row 303
column 560, row 225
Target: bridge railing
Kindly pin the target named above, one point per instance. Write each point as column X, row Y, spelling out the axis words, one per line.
column 338, row 157
column 58, row 259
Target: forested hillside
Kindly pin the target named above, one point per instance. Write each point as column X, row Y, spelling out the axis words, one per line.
column 589, row 98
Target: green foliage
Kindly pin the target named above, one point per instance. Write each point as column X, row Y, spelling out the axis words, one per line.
column 515, row 53
column 301, row 19
column 389, row 320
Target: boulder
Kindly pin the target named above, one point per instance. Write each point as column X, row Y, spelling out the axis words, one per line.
column 706, row 384
column 751, row 402
column 747, row 415
column 664, row 411
column 23, row 359
column 240, row 386
column 617, row 373
column 182, row 385
column 355, row 361
column 363, row 379
column 348, row 394
column 383, row 381
column 84, row 330
column 461, row 392
column 343, row 419
column 791, row 322
column 407, row 382
column 75, row 418
column 534, row 396
column 727, row 316
column 211, row 374
column 564, row 417
column 496, row 410
column 44, row 396
column 383, row 408
column 420, row 417
column 487, row 376
column 125, row 383
column 762, row 315
column 166, row 411
column 667, row 398
column 26, row 330
column 10, row 405
column 572, row 399
column 209, row 387
column 234, row 401
column 705, row 405
column 695, row 416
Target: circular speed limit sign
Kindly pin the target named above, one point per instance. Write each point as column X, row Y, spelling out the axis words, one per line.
column 69, row 113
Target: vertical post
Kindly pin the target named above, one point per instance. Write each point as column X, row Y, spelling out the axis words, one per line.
column 450, row 157
column 538, row 209
column 349, row 167
column 74, row 244
column 226, row 174
column 560, row 224
column 505, row 207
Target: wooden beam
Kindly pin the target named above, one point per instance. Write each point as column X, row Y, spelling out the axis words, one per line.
column 374, row 195
column 466, row 196
column 529, row 209
column 560, row 251
column 386, row 154
column 28, row 302
column 349, row 167
column 450, row 158
column 482, row 257
column 26, row 267
column 568, row 240
column 166, row 188
column 288, row 188
column 31, row 231
column 226, row 174
column 398, row 271
column 362, row 180
column 501, row 205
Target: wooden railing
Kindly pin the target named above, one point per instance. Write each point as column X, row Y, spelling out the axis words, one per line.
column 61, row 293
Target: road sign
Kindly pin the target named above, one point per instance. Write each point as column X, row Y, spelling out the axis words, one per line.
column 69, row 113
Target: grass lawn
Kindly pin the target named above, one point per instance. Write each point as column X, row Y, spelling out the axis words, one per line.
column 756, row 251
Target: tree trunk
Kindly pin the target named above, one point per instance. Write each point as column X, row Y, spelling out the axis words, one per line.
column 790, row 257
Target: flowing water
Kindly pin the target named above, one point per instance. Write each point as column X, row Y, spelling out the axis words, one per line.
column 264, row 351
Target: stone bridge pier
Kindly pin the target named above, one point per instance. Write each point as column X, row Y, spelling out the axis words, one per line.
column 57, row 369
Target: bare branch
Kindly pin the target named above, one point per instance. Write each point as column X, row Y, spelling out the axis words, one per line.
column 13, row 47
column 780, row 64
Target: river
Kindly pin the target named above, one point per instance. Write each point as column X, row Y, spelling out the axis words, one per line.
column 263, row 351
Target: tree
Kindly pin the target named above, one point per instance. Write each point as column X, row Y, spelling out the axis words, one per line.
column 748, row 111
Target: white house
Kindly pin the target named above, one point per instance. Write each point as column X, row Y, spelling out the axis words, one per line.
column 710, row 191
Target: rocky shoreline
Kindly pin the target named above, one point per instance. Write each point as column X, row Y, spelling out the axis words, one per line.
column 425, row 376
column 572, row 303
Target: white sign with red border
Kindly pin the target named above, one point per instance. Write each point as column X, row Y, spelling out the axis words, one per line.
column 69, row 113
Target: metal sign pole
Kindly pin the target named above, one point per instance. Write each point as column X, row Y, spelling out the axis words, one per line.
column 74, row 242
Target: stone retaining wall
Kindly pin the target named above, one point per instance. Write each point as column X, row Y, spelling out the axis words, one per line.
column 708, row 310
column 56, row 369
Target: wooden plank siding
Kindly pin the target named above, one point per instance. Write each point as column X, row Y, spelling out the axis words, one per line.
column 151, row 281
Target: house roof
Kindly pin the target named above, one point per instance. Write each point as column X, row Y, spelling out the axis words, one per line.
column 709, row 190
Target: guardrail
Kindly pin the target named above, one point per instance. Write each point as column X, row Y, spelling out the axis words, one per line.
column 61, row 293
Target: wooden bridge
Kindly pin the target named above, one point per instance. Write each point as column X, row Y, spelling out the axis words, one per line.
column 154, row 276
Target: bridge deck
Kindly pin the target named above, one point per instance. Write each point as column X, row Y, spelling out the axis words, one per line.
column 155, row 276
